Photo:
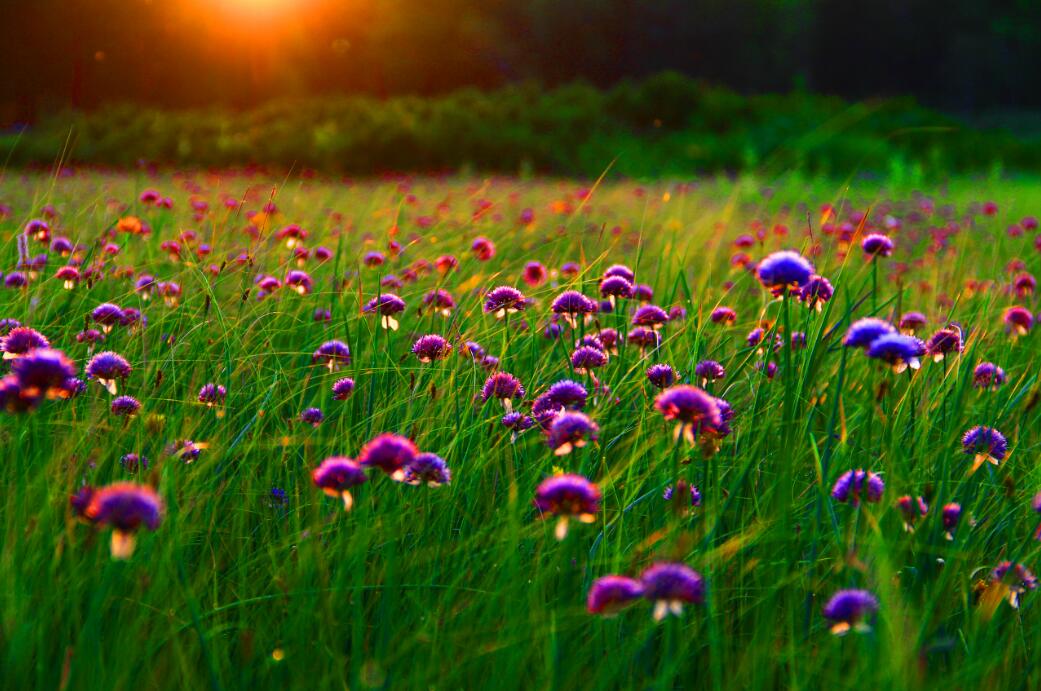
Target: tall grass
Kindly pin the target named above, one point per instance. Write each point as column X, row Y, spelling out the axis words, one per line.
column 462, row 586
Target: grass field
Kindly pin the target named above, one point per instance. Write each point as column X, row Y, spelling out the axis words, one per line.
column 465, row 585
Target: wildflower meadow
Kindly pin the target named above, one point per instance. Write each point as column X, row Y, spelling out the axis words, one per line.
column 305, row 431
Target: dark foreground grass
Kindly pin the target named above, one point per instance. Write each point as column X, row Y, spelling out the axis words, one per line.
column 463, row 586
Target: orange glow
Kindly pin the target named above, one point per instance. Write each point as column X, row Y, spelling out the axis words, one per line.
column 261, row 9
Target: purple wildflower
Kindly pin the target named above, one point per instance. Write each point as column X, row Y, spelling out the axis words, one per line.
column 390, row 453
column 336, row 476
column 850, row 609
column 125, row 507
column 670, row 586
column 429, row 469
column 854, row 485
column 567, row 496
column 610, row 594
column 571, row 430
column 431, row 347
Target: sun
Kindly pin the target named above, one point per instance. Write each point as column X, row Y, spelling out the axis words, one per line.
column 261, row 9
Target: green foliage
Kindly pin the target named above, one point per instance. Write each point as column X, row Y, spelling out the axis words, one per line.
column 667, row 124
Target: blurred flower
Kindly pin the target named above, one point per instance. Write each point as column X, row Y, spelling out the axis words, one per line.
column 876, row 245
column 911, row 322
column 342, row 388
column 571, row 430
column 897, row 350
column 816, row 292
column 336, row 476
column 987, row 375
column 108, row 368
column 691, row 408
column 951, row 516
column 21, row 340
column 125, row 406
column 945, row 341
column 386, row 305
column 390, row 453
column 985, row 444
column 503, row 387
column 782, row 271
column 661, row 376
column 854, row 485
column 850, row 609
column 609, row 594
column 709, row 370
column 863, row 332
column 125, row 507
column 567, row 496
column 912, row 508
column 670, row 586
column 429, row 469
column 1016, row 578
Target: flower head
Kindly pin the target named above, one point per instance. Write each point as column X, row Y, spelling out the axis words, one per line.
column 108, row 368
column 21, row 340
column 876, row 245
column 1017, row 578
column 390, row 453
column 588, row 358
column 709, row 370
column 944, row 342
column 429, row 469
column 1018, row 320
column 898, row 350
column 568, row 496
column 691, row 408
column 431, row 347
column 855, row 485
column 342, row 388
column 661, row 376
column 571, row 305
column 386, row 305
column 125, row 507
column 985, row 444
column 504, row 300
column 987, row 375
column 863, row 332
column 951, row 515
column 850, row 609
column 670, row 586
column 44, row 373
column 570, row 430
column 441, row 301
column 816, row 292
column 125, row 406
column 650, row 316
column 332, row 354
column 911, row 508
column 312, row 416
column 336, row 476
column 503, row 387
column 782, row 271
column 910, row 322
column 610, row 594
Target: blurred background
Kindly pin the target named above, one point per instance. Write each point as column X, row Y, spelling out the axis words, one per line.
column 973, row 61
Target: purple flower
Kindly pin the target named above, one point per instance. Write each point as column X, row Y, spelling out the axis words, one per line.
column 588, row 358
column 342, row 388
column 854, row 485
column 616, row 287
column 332, row 354
column 816, row 291
column 429, row 469
column 1018, row 320
column 709, row 370
column 650, row 316
column 662, row 376
column 572, row 304
column 621, row 271
column 691, row 408
column 609, row 339
column 504, row 300
column 670, row 586
column 985, row 444
column 695, row 495
column 390, row 453
column 299, row 281
column 863, row 332
column 951, row 516
column 642, row 293
column 107, row 315
column 44, row 373
column 108, row 368
column 133, row 462
column 21, row 340
column 516, row 423
column 987, row 375
column 912, row 508
column 125, row 406
column 876, row 245
column 781, row 271
column 849, row 609
column 503, row 387
column 571, row 430
column 431, row 347
column 723, row 315
column 212, row 395
column 125, row 507
column 911, row 322
column 386, row 305
column 643, row 338
column 441, row 301
column 312, row 416
column 610, row 594
column 898, row 350
column 1017, row 578
column 336, row 476
column 944, row 342
column 567, row 496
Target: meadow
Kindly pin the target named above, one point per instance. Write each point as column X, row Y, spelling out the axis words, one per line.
column 242, row 573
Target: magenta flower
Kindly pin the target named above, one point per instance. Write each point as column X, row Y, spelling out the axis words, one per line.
column 816, row 292
column 610, row 594
column 650, row 316
column 709, row 370
column 912, row 509
column 107, row 315
column 661, row 376
column 588, row 358
column 567, row 497
column 670, row 586
column 571, row 430
column 108, row 368
column 441, row 301
column 125, row 507
column 429, row 469
column 386, row 305
column 431, row 347
column 876, row 245
column 390, row 453
column 572, row 305
column 691, row 408
column 332, row 354
column 503, row 387
column 336, row 476
column 342, row 388
column 125, row 406
column 850, row 609
column 43, row 373
column 21, row 340
column 723, row 315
